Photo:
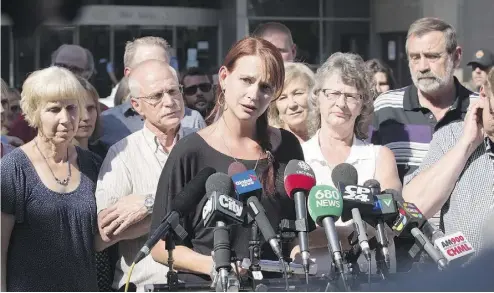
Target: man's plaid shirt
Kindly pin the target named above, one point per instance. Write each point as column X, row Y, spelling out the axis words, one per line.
column 472, row 200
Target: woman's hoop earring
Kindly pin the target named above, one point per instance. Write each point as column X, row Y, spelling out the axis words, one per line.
column 220, row 98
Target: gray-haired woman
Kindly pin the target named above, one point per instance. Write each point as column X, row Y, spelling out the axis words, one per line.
column 343, row 100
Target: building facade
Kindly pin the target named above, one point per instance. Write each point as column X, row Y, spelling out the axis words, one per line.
column 200, row 32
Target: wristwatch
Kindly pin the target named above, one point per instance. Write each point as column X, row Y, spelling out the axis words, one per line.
column 149, row 203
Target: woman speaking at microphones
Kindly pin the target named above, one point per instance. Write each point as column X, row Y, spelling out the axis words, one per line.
column 250, row 79
column 342, row 100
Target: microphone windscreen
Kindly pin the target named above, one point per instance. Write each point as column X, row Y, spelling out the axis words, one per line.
column 235, row 168
column 221, row 183
column 396, row 195
column 298, row 176
column 193, row 192
column 324, row 201
column 344, row 174
column 372, row 183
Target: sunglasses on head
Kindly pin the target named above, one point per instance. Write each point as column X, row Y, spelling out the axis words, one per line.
column 191, row 90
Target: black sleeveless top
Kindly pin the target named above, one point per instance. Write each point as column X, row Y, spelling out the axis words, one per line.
column 191, row 155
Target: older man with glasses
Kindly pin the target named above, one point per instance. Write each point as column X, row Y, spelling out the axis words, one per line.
column 130, row 172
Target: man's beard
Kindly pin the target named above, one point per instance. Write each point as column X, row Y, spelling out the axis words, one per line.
column 431, row 83
column 204, row 111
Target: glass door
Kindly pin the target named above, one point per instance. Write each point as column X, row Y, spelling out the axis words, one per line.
column 49, row 38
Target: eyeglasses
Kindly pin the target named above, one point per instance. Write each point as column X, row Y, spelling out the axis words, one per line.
column 157, row 98
column 191, row 90
column 350, row 98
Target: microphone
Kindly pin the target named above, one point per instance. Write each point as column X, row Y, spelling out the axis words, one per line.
column 256, row 210
column 345, row 178
column 389, row 208
column 183, row 203
column 431, row 231
column 245, row 181
column 356, row 199
column 325, row 208
column 383, row 205
column 220, row 206
column 374, row 186
column 221, row 209
column 299, row 178
column 409, row 221
column 247, row 185
column 455, row 248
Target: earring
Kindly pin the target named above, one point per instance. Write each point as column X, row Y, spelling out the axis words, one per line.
column 221, row 98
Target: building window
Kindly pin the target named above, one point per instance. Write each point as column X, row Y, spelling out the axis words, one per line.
column 344, row 36
column 283, row 8
column 305, row 35
column 338, row 26
column 5, row 57
column 346, row 8
column 50, row 38
column 197, row 47
column 96, row 38
column 214, row 4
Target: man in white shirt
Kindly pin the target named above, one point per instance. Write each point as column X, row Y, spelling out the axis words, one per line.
column 130, row 172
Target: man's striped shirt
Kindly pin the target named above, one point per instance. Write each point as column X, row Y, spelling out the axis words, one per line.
column 404, row 126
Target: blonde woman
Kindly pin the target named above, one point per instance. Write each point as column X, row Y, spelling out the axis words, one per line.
column 49, row 224
column 290, row 111
column 88, row 131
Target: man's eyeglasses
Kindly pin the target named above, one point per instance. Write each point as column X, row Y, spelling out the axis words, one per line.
column 157, row 98
column 191, row 90
column 350, row 98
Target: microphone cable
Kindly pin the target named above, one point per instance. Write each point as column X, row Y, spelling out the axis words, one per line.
column 128, row 277
column 369, row 273
column 285, row 274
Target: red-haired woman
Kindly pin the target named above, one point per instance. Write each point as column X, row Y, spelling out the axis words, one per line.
column 251, row 77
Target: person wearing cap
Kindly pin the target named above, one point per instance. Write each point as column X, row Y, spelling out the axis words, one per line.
column 482, row 62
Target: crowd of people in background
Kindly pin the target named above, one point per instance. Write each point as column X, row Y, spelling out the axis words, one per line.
column 79, row 178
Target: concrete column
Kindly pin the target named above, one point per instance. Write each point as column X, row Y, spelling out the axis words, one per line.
column 242, row 20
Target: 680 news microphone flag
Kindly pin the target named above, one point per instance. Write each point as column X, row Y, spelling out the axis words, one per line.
column 299, row 180
column 325, row 207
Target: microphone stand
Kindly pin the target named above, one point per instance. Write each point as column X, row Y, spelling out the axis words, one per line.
column 171, row 276
column 176, row 231
column 255, row 253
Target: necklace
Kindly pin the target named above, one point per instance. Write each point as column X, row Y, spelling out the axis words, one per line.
column 65, row 181
column 231, row 153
